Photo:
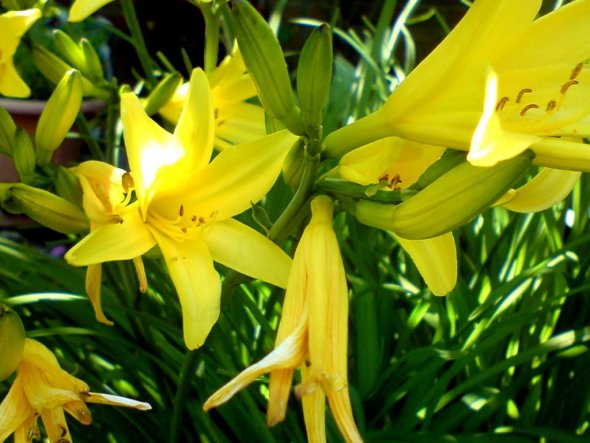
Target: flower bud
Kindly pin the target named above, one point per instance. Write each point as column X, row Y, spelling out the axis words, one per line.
column 68, row 186
column 448, row 202
column 266, row 64
column 12, row 341
column 23, row 155
column 92, row 68
column 162, row 93
column 7, row 128
column 44, row 207
column 314, row 75
column 58, row 116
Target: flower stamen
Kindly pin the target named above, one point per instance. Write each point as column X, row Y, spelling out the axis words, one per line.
column 567, row 85
column 528, row 108
column 577, row 69
column 501, row 103
column 521, row 93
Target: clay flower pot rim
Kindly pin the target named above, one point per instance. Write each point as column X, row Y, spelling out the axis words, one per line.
column 35, row 107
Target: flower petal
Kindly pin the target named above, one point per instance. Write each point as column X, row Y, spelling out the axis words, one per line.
column 288, row 354
column 93, row 286
column 83, row 8
column 234, row 180
column 239, row 247
column 150, row 149
column 546, row 189
column 436, row 260
column 122, row 241
column 197, row 284
column 491, row 143
column 15, row 410
column 115, row 400
column 11, row 84
column 195, row 129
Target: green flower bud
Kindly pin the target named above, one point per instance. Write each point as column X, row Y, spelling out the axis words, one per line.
column 58, row 116
column 12, row 341
column 23, row 155
column 69, row 50
column 266, row 64
column 162, row 93
column 44, row 207
column 68, row 186
column 448, row 202
column 314, row 75
column 7, row 128
column 92, row 68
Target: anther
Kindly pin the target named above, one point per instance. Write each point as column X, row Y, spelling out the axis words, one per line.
column 194, row 218
column 384, row 178
column 63, row 430
column 567, row 85
column 501, row 103
column 577, row 69
column 551, row 105
column 127, row 182
column 527, row 108
column 216, row 113
column 184, row 230
column 181, row 211
column 521, row 93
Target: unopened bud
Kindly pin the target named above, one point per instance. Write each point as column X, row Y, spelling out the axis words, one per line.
column 44, row 207
column 12, row 341
column 162, row 93
column 23, row 155
column 7, row 128
column 58, row 116
column 448, row 202
column 266, row 64
column 314, row 75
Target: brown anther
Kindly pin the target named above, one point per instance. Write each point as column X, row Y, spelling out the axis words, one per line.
column 551, row 105
column 184, row 230
column 521, row 93
column 576, row 71
column 384, row 178
column 194, row 218
column 220, row 122
column 528, row 108
column 567, row 85
column 127, row 182
column 216, row 113
column 201, row 221
column 181, row 211
column 501, row 103
column 63, row 431
column 395, row 182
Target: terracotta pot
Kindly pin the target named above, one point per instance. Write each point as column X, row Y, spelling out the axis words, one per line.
column 25, row 114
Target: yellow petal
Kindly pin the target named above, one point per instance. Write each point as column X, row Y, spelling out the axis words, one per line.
column 239, row 247
column 197, row 284
column 234, row 180
column 15, row 410
column 546, row 189
column 388, row 159
column 491, row 143
column 195, row 128
column 115, row 400
column 121, row 241
column 11, row 84
column 288, row 354
column 436, row 260
column 93, row 286
column 150, row 150
column 83, row 8
column 54, row 421
column 558, row 37
column 314, row 410
column 239, row 123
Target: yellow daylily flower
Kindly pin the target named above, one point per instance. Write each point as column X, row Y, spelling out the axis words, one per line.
column 236, row 120
column 184, row 205
column 42, row 389
column 397, row 164
column 312, row 335
column 81, row 9
column 106, row 192
column 501, row 82
column 13, row 25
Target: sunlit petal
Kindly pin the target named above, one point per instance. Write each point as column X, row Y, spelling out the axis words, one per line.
column 436, row 260
column 244, row 249
column 547, row 188
column 83, row 8
column 122, row 241
column 195, row 128
column 93, row 284
column 197, row 284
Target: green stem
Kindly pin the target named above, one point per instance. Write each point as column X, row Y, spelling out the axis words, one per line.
column 211, row 36
column 139, row 43
column 186, row 376
column 281, row 228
